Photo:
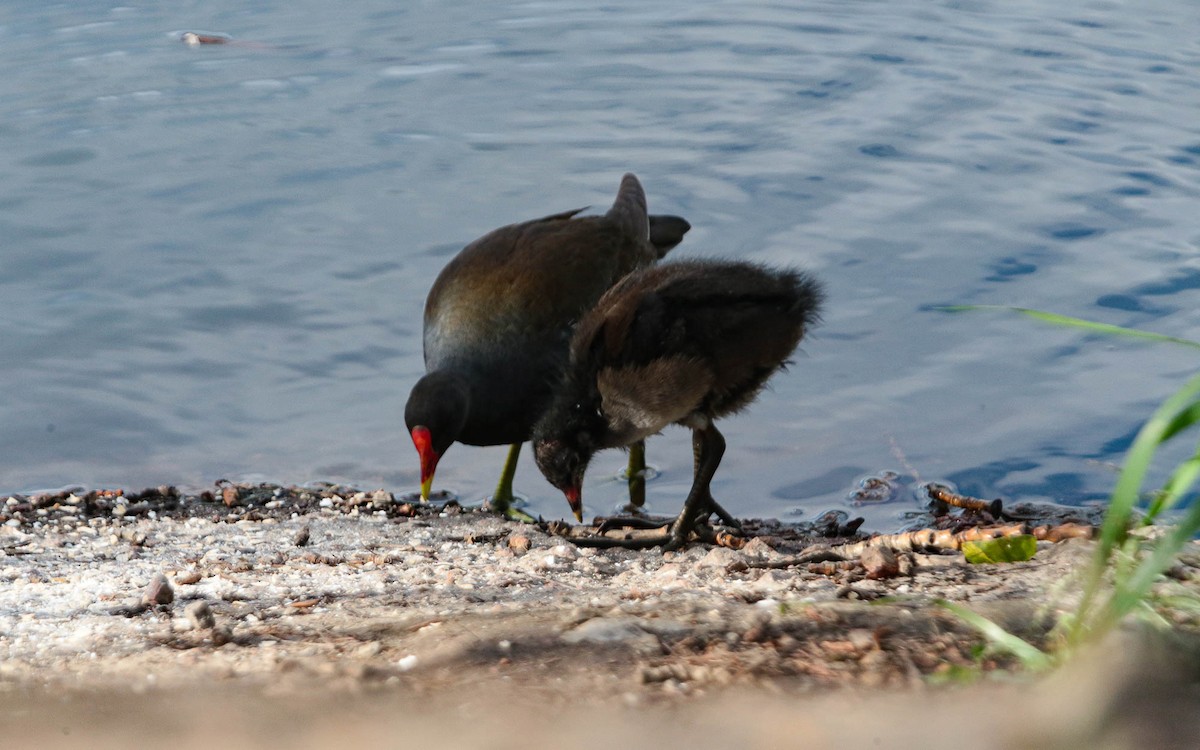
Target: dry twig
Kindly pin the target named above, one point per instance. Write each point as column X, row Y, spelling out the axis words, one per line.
column 16, row 548
column 945, row 539
column 1063, row 531
column 832, row 568
column 942, row 493
column 931, row 539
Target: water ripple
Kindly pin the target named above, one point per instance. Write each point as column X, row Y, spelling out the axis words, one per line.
column 212, row 250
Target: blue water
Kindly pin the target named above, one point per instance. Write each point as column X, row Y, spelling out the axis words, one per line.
column 213, row 260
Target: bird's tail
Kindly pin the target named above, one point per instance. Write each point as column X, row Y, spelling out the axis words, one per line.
column 666, row 232
column 629, row 209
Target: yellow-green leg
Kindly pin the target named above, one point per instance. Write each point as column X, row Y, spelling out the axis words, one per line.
column 502, row 499
column 636, row 474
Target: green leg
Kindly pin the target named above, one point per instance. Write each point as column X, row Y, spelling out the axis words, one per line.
column 637, row 476
column 502, row 499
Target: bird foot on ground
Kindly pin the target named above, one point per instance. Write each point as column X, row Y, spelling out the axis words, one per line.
column 645, row 533
column 631, row 521
column 508, row 510
column 518, row 515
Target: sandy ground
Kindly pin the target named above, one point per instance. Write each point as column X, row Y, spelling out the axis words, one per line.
column 269, row 616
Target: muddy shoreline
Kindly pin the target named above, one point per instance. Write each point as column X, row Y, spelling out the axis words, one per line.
column 287, row 596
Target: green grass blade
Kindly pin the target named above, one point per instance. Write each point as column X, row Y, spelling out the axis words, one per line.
column 1087, row 325
column 1177, row 486
column 1183, row 420
column 1134, row 581
column 1124, row 498
column 1118, row 555
column 1031, row 656
column 1161, row 426
column 1163, row 554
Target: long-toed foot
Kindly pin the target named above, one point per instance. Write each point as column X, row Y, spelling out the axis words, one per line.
column 727, row 519
column 506, row 506
column 640, row 522
column 645, row 533
column 503, row 501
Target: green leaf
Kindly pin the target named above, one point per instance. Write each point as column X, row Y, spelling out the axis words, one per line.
column 1005, row 549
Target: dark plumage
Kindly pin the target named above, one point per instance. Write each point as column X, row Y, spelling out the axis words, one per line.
column 499, row 317
column 683, row 343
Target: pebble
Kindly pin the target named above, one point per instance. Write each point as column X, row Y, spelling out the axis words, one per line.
column 773, row 582
column 863, row 640
column 158, row 591
column 200, row 615
column 719, row 557
column 756, row 548
column 880, row 562
column 222, row 634
column 626, row 631
column 302, row 536
column 665, row 672
column 565, row 551
column 407, row 663
column 668, row 572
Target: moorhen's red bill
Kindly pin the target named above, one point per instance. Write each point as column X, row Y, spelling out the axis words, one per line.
column 499, row 317
column 683, row 343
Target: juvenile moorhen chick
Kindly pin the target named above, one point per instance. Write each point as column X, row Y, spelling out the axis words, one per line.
column 499, row 317
column 684, row 342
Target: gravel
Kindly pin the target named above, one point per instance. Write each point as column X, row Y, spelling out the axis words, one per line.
column 286, row 591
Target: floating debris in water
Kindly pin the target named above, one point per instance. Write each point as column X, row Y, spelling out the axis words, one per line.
column 195, row 39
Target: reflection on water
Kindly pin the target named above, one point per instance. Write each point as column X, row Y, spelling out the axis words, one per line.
column 215, row 258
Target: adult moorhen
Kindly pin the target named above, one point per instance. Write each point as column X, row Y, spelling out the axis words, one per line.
column 683, row 342
column 498, row 322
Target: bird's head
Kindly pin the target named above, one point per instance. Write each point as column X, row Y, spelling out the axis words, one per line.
column 563, row 462
column 423, row 440
column 435, row 415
